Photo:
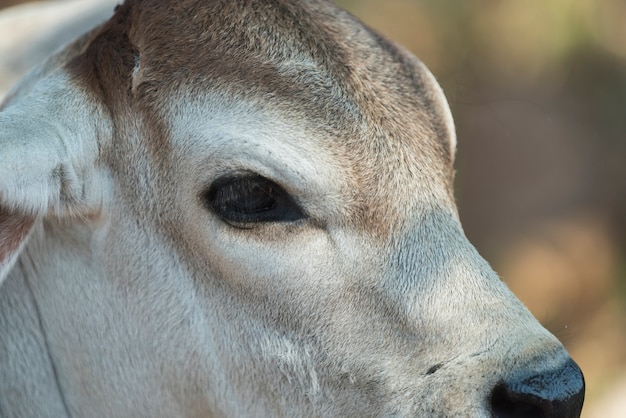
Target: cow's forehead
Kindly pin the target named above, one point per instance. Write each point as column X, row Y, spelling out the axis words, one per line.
column 310, row 54
column 308, row 62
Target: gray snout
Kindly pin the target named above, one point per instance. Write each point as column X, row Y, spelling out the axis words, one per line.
column 549, row 394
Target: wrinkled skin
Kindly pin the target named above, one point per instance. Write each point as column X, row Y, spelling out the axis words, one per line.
column 128, row 291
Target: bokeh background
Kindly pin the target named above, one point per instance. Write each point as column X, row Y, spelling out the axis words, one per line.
column 538, row 91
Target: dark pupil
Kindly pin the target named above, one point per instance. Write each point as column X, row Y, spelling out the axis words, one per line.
column 246, row 196
column 251, row 197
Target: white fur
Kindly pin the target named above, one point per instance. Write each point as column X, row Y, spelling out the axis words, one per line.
column 49, row 143
column 130, row 297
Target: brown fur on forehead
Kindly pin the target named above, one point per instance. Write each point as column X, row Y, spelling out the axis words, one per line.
column 318, row 64
column 307, row 60
column 272, row 50
column 283, row 53
column 306, row 57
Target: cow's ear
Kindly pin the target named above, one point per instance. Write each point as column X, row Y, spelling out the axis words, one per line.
column 48, row 153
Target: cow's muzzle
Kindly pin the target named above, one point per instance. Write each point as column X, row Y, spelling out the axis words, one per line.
column 549, row 394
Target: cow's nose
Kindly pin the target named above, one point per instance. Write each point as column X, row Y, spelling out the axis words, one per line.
column 550, row 394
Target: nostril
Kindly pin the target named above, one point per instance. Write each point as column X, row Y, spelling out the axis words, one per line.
column 550, row 394
column 503, row 405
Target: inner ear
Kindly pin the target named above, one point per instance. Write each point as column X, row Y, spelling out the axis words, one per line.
column 14, row 230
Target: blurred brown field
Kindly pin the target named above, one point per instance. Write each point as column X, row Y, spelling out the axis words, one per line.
column 538, row 91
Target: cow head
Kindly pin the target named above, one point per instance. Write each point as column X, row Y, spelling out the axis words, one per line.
column 245, row 208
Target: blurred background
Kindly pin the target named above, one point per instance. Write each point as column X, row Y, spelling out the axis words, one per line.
column 538, row 92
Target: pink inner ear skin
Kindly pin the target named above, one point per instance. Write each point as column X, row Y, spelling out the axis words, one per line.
column 14, row 228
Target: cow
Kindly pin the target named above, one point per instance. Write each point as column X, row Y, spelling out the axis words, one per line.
column 244, row 208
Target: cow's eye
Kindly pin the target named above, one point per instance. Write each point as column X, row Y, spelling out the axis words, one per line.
column 251, row 199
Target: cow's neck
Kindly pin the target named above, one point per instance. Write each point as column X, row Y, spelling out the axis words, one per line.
column 28, row 366
column 37, row 293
